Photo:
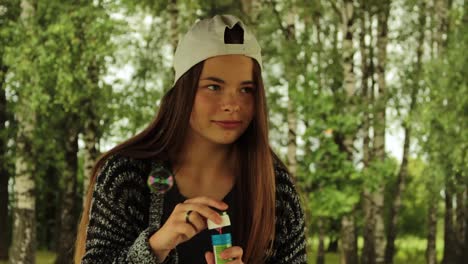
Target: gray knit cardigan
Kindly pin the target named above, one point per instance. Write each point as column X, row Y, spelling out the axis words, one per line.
column 124, row 214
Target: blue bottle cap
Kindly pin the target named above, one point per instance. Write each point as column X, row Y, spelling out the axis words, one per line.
column 222, row 239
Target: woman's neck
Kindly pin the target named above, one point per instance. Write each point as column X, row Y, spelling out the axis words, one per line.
column 204, row 161
column 205, row 171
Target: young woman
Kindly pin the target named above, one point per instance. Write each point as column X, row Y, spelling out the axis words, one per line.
column 211, row 133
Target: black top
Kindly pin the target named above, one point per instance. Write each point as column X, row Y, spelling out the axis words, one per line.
column 193, row 250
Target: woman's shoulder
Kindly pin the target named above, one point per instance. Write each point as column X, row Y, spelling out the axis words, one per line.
column 121, row 181
column 119, row 160
column 287, row 196
column 283, row 178
column 118, row 168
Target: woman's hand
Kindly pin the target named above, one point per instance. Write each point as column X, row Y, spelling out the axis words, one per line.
column 177, row 230
column 229, row 253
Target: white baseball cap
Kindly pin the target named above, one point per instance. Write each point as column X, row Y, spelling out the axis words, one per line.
column 206, row 39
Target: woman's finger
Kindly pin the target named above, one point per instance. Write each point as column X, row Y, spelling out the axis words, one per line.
column 209, row 257
column 208, row 201
column 234, row 253
column 201, row 209
column 197, row 221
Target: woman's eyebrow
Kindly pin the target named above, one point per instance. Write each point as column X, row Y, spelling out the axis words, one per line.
column 216, row 79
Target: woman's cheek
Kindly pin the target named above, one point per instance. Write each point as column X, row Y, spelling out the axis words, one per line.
column 207, row 102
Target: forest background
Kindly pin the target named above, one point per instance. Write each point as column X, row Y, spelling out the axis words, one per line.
column 367, row 104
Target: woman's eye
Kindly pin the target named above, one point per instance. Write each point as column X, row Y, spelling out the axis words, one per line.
column 248, row 89
column 213, row 87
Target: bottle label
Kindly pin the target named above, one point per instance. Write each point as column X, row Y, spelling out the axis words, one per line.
column 217, row 252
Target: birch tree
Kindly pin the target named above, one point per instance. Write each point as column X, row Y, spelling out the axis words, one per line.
column 9, row 14
column 368, row 251
column 346, row 12
column 380, row 127
column 24, row 215
column 414, row 85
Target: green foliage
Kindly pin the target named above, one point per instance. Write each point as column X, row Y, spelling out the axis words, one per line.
column 442, row 124
column 380, row 171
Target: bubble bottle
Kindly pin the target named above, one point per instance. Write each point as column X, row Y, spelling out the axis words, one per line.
column 220, row 241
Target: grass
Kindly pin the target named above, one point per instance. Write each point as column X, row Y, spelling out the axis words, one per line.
column 42, row 257
column 408, row 250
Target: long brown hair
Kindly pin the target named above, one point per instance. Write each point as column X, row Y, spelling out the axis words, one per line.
column 255, row 190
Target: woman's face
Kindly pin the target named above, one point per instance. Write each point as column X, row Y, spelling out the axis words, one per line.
column 225, row 93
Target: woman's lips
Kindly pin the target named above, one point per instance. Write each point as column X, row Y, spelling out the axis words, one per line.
column 228, row 124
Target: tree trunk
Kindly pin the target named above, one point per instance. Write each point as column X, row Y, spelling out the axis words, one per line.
column 465, row 244
column 431, row 250
column 24, row 213
column 349, row 240
column 6, row 133
column 368, row 251
column 292, row 146
column 347, row 20
column 332, row 245
column 321, row 244
column 379, row 128
column 392, row 229
column 51, row 208
column 348, row 227
column 397, row 197
column 91, row 152
column 442, row 8
column 173, row 15
column 251, row 8
column 460, row 215
column 4, row 213
column 67, row 220
column 91, row 131
column 292, row 115
column 450, row 252
column 4, row 173
column 24, row 227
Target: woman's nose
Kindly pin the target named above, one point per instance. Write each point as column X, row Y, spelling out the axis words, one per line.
column 230, row 103
column 231, row 108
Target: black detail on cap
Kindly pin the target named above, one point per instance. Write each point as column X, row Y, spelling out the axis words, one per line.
column 234, row 35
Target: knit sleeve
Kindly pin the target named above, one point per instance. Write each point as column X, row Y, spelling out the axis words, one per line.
column 118, row 229
column 290, row 242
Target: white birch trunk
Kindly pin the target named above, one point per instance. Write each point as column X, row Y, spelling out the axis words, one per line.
column 392, row 230
column 292, row 115
column 91, row 151
column 24, row 212
column 379, row 128
column 368, row 251
column 173, row 14
column 348, row 228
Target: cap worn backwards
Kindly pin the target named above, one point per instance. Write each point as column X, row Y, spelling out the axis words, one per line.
column 207, row 39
